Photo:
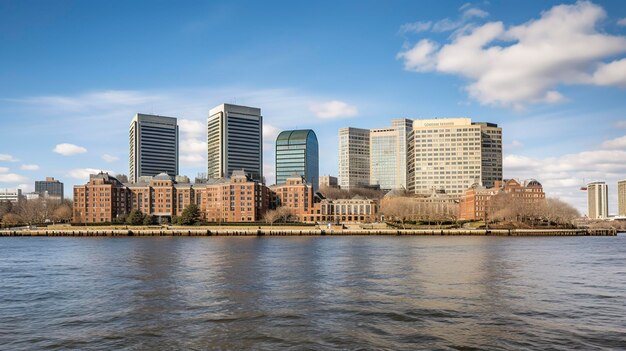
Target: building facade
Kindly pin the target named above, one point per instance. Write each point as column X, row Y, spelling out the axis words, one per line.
column 297, row 152
column 50, row 187
column 621, row 198
column 328, row 181
column 295, row 194
column 388, row 159
column 11, row 195
column 598, row 200
column 354, row 158
column 235, row 141
column 451, row 154
column 105, row 199
column 475, row 204
column 153, row 146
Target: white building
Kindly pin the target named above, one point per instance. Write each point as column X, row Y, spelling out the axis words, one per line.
column 153, row 146
column 354, row 157
column 11, row 195
column 235, row 141
column 451, row 154
column 598, row 200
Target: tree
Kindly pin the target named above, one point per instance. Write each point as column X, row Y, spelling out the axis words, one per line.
column 10, row 219
column 5, row 207
column 63, row 213
column 148, row 220
column 190, row 215
column 271, row 216
column 135, row 217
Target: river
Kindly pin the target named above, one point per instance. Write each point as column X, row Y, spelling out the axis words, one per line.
column 274, row 293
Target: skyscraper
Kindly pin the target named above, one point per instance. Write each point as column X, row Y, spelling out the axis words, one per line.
column 598, row 200
column 451, row 154
column 297, row 152
column 388, row 155
column 354, row 157
column 621, row 198
column 50, row 187
column 153, row 146
column 235, row 141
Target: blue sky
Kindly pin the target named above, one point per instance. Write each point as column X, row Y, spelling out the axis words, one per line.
column 551, row 73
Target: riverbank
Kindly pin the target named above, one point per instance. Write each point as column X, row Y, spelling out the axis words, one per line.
column 290, row 231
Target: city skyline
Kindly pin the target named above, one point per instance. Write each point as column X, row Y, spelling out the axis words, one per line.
column 72, row 122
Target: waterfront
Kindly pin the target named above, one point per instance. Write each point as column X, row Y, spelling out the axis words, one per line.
column 313, row 293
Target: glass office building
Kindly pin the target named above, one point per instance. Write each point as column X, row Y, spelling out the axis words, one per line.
column 297, row 152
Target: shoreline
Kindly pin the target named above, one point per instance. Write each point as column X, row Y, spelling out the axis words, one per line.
column 264, row 231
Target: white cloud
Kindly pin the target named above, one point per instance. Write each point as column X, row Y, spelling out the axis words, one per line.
column 12, row 178
column 415, row 27
column 193, row 127
column 515, row 144
column 7, row 158
column 474, row 12
column 66, row 149
column 562, row 176
column 620, row 124
column 270, row 132
column 622, row 22
column 193, row 160
column 617, row 143
column 26, row 188
column 333, row 109
column 525, row 64
column 4, row 169
column 109, row 158
column 29, row 167
column 83, row 173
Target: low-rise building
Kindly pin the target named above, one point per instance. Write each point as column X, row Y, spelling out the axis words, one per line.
column 295, row 194
column 475, row 204
column 11, row 195
column 438, row 204
column 355, row 210
column 328, row 181
column 102, row 200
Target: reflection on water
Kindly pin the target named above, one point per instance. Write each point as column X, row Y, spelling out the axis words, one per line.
column 313, row 293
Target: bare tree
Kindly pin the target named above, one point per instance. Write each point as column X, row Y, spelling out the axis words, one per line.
column 10, row 219
column 271, row 216
column 62, row 213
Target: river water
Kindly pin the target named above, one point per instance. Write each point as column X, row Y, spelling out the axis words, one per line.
column 396, row 293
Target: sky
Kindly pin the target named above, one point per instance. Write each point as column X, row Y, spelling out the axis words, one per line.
column 552, row 74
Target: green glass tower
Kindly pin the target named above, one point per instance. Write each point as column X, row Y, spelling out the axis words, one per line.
column 297, row 152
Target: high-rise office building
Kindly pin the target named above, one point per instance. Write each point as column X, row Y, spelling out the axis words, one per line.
column 354, row 157
column 235, row 141
column 621, row 198
column 297, row 152
column 153, row 146
column 388, row 155
column 451, row 154
column 50, row 187
column 598, row 200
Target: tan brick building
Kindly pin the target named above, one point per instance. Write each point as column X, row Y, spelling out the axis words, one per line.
column 101, row 200
column 295, row 194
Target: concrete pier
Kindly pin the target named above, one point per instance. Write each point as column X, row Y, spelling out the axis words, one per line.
column 269, row 231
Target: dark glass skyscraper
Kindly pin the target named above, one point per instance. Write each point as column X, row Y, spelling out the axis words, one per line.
column 297, row 152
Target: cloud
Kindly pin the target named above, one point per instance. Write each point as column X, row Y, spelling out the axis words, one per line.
column 474, row 12
column 193, row 127
column 617, row 143
column 333, row 109
column 270, row 132
column 515, row 144
column 7, row 158
column 26, row 188
column 193, row 144
column 526, row 63
column 415, row 27
column 562, row 176
column 109, row 158
column 66, row 149
column 83, row 173
column 12, row 178
column 622, row 22
column 620, row 124
column 4, row 169
column 29, row 167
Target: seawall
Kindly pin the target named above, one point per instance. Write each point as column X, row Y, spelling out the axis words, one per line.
column 266, row 231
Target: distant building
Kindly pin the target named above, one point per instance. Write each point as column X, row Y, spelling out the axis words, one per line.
column 49, row 188
column 475, row 204
column 153, row 146
column 297, row 152
column 11, row 195
column 354, row 158
column 33, row 196
column 355, row 210
column 328, row 181
column 420, row 207
column 388, row 157
column 451, row 154
column 295, row 194
column 598, row 200
column 621, row 198
column 235, row 141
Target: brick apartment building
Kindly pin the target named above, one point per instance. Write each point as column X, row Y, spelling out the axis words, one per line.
column 476, row 201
